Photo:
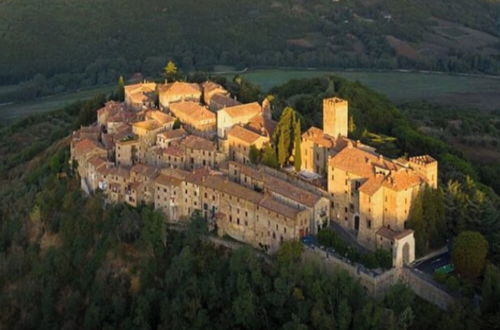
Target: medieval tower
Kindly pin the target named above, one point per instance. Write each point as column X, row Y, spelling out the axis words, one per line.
column 335, row 117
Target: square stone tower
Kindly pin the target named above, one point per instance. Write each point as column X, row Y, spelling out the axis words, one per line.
column 335, row 117
column 426, row 166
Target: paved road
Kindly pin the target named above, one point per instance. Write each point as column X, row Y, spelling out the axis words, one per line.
column 430, row 265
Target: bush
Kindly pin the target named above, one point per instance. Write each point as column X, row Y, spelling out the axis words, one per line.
column 452, row 283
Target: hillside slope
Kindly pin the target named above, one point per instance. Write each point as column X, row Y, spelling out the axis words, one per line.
column 54, row 36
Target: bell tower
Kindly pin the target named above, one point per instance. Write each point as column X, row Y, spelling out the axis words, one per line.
column 335, row 117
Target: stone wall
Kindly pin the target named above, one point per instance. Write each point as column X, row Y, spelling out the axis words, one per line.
column 426, row 288
column 378, row 283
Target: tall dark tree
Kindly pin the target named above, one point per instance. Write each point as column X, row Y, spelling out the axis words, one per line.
column 120, row 92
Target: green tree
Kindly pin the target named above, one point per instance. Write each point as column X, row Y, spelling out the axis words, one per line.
column 254, row 154
column 469, row 254
column 490, row 294
column 269, row 157
column 120, row 92
column 282, row 149
column 170, row 71
column 416, row 222
column 177, row 124
column 284, row 135
column 297, row 157
column 290, row 252
column 352, row 125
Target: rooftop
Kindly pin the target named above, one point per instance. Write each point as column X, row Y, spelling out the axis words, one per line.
column 243, row 110
column 274, row 205
column 392, row 234
column 192, row 111
column 174, row 134
column 161, row 117
column 180, row 88
column 196, row 142
column 243, row 134
column 148, row 125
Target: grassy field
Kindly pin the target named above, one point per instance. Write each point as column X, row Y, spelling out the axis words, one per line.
column 14, row 111
column 471, row 91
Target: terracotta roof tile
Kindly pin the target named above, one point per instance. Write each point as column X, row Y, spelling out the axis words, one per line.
column 149, row 125
column 174, row 134
column 220, row 101
column 192, row 112
column 291, row 191
column 85, row 146
column 97, row 161
column 392, row 234
column 168, row 180
column 360, row 162
column 159, row 116
column 180, row 88
column 145, row 170
column 243, row 134
column 174, row 150
column 199, row 143
column 244, row 110
column 274, row 205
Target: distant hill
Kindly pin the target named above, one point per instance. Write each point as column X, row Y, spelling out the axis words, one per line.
column 104, row 38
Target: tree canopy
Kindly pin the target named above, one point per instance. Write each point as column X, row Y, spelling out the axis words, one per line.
column 469, row 254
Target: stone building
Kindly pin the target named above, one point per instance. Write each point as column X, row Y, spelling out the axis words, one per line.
column 137, row 157
column 178, row 92
column 195, row 118
column 165, row 139
column 140, row 96
column 201, row 152
column 240, row 139
column 317, row 206
column 210, row 89
column 239, row 114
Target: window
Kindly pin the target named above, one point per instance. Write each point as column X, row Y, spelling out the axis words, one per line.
column 369, row 223
column 238, row 221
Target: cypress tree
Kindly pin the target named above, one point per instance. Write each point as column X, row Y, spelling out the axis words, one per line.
column 120, row 93
column 269, row 157
column 282, row 149
column 416, row 222
column 297, row 156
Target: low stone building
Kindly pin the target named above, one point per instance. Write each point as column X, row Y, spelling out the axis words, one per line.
column 140, row 96
column 239, row 114
column 178, row 92
column 239, row 140
column 195, row 118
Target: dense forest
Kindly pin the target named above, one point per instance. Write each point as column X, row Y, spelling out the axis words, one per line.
column 53, row 46
column 70, row 261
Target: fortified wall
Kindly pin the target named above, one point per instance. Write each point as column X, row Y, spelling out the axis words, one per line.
column 377, row 284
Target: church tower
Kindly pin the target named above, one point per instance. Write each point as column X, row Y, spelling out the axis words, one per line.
column 335, row 117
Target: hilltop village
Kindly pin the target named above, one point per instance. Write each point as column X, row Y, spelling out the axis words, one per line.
column 185, row 147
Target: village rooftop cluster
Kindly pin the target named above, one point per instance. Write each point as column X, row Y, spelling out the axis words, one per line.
column 185, row 147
